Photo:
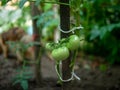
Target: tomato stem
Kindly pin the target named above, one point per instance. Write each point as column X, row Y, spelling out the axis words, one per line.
column 73, row 59
column 58, row 69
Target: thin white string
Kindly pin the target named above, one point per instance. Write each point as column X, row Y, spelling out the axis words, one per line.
column 71, row 30
column 67, row 80
column 78, row 78
column 61, row 77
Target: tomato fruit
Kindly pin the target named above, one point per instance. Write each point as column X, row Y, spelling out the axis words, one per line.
column 49, row 47
column 74, row 42
column 60, row 53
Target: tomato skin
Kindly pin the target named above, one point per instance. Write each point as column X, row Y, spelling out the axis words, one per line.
column 60, row 53
column 48, row 47
column 74, row 42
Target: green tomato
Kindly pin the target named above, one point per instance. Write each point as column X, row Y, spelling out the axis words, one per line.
column 49, row 47
column 60, row 53
column 74, row 42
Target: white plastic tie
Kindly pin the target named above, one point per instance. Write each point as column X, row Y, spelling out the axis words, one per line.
column 73, row 75
column 71, row 30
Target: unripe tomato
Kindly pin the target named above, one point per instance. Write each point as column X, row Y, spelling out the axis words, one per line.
column 48, row 47
column 60, row 53
column 74, row 42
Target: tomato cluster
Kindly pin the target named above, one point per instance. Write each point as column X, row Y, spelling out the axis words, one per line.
column 60, row 51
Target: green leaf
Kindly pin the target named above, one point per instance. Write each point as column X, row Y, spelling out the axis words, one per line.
column 4, row 2
column 38, row 2
column 75, row 4
column 27, row 77
column 21, row 3
column 47, row 7
column 112, row 26
column 95, row 33
column 103, row 67
column 16, row 81
column 27, row 73
column 103, row 31
column 45, row 17
column 53, row 22
column 24, row 84
column 17, row 77
column 114, row 51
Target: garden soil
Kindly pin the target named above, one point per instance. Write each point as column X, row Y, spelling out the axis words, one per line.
column 91, row 78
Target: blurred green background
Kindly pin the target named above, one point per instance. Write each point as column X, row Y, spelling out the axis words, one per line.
column 100, row 19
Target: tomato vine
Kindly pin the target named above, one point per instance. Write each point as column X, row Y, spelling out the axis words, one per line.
column 60, row 51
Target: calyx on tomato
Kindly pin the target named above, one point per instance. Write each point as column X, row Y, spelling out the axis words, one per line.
column 49, row 47
column 60, row 53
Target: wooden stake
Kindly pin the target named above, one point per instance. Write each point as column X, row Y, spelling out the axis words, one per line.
column 34, row 12
column 65, row 25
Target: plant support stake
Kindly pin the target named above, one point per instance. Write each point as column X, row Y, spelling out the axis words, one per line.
column 65, row 25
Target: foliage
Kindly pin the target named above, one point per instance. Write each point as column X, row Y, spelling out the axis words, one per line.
column 103, row 67
column 11, row 17
column 22, row 77
column 100, row 18
column 21, row 3
column 4, row 2
column 102, row 23
column 46, row 21
column 14, row 16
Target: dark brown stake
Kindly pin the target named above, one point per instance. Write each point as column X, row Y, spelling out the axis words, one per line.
column 36, row 33
column 65, row 25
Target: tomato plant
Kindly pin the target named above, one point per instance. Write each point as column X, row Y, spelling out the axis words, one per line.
column 60, row 50
column 60, row 53
column 49, row 47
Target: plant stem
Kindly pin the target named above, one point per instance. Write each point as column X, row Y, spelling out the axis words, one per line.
column 51, row 2
column 58, row 68
column 73, row 59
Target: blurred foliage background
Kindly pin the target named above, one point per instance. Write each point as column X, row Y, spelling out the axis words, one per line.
column 100, row 19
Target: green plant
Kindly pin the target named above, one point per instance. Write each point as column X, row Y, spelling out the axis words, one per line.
column 101, row 23
column 61, row 50
column 103, row 67
column 14, row 16
column 23, row 74
column 49, row 47
column 22, row 78
column 72, row 43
